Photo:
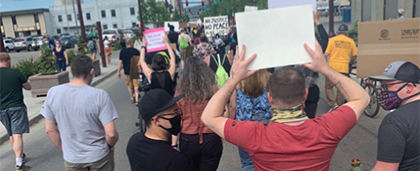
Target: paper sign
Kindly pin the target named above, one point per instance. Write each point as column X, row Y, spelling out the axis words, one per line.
column 276, row 43
column 154, row 39
column 213, row 25
column 250, row 8
column 282, row 3
column 173, row 23
column 137, row 45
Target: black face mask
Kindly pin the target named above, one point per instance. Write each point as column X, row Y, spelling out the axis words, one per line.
column 176, row 125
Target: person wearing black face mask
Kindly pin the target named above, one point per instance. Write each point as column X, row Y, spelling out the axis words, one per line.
column 398, row 135
column 151, row 150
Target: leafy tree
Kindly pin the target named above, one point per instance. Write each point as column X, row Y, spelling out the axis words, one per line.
column 227, row 7
column 154, row 13
column 46, row 62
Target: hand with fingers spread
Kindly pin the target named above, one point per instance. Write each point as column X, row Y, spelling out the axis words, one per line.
column 144, row 41
column 240, row 65
column 316, row 17
column 318, row 62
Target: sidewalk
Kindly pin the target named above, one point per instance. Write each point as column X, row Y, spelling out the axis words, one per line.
column 34, row 104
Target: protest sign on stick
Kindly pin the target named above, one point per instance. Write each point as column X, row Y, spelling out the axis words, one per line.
column 154, row 39
column 213, row 25
column 276, row 43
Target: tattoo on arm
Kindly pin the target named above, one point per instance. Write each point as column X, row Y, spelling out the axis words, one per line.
column 342, row 90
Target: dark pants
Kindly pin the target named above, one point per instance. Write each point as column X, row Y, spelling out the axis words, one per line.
column 311, row 103
column 61, row 65
column 204, row 156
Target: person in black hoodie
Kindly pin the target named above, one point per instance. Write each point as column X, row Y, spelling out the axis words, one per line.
column 311, row 103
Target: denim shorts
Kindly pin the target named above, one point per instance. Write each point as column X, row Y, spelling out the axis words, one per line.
column 15, row 120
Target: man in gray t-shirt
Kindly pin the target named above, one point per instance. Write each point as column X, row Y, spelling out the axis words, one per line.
column 85, row 116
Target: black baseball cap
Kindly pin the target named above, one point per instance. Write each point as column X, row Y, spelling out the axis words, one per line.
column 155, row 101
column 400, row 70
column 343, row 29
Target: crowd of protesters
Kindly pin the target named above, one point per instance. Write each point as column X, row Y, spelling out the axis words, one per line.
column 269, row 114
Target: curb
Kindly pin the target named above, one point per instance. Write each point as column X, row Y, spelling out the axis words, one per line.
column 38, row 116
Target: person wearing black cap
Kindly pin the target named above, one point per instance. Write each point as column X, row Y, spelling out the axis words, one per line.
column 151, row 150
column 342, row 52
column 398, row 135
column 173, row 36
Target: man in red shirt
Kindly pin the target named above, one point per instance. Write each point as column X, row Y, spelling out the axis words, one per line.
column 291, row 141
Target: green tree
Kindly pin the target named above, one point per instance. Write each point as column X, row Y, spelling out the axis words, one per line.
column 154, row 13
column 227, row 7
column 176, row 16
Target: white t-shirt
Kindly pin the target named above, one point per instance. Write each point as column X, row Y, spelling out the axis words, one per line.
column 106, row 43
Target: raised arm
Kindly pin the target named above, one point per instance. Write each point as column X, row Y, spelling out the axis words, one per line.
column 356, row 97
column 172, row 63
column 142, row 63
column 213, row 114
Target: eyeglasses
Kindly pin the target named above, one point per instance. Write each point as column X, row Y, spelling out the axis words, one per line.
column 385, row 86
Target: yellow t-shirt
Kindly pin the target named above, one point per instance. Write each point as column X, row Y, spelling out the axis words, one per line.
column 341, row 48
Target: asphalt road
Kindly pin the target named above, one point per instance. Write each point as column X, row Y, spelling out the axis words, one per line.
column 42, row 155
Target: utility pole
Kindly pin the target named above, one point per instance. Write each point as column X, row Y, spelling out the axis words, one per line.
column 74, row 10
column 101, row 44
column 331, row 17
column 82, row 24
column 141, row 18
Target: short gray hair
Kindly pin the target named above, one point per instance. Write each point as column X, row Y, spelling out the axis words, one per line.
column 4, row 57
column 128, row 41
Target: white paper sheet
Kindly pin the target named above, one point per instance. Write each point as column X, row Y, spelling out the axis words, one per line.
column 277, row 36
column 289, row 3
column 250, row 8
column 174, row 23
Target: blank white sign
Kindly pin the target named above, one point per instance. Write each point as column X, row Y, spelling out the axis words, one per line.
column 277, row 35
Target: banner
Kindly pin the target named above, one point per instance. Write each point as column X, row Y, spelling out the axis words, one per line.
column 173, row 23
column 280, row 4
column 154, row 39
column 213, row 25
column 250, row 8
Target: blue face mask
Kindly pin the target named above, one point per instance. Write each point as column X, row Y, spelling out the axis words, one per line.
column 58, row 45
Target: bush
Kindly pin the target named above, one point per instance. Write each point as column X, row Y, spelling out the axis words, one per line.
column 81, row 46
column 27, row 67
column 46, row 62
column 117, row 46
column 354, row 33
column 70, row 55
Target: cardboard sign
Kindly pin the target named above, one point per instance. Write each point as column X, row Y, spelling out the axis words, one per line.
column 250, row 8
column 173, row 23
column 384, row 42
column 278, row 43
column 154, row 39
column 280, row 4
column 183, row 25
column 213, row 25
column 134, row 69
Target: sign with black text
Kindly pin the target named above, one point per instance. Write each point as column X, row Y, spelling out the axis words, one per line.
column 213, row 25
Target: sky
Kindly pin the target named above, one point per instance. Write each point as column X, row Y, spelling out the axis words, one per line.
column 15, row 5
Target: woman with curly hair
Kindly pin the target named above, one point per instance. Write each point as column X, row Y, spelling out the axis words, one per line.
column 202, row 146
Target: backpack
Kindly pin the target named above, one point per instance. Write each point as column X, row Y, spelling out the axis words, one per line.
column 221, row 74
column 183, row 43
column 91, row 45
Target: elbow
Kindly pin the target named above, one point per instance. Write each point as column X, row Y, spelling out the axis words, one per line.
column 112, row 135
column 204, row 120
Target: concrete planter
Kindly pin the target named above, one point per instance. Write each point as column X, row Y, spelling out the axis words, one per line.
column 42, row 83
column 96, row 67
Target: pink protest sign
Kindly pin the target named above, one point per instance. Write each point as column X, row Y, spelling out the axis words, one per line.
column 154, row 39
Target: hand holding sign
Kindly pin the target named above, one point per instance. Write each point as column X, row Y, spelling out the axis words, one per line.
column 156, row 39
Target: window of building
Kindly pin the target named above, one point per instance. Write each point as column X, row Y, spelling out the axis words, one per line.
column 69, row 17
column 77, row 16
column 58, row 31
column 103, row 13
column 114, row 26
column 132, row 11
column 113, row 13
column 87, row 16
column 60, row 18
column 105, row 26
column 133, row 24
column 36, row 18
column 13, row 19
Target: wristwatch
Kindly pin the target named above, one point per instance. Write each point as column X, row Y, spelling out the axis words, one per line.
column 143, row 47
column 175, row 145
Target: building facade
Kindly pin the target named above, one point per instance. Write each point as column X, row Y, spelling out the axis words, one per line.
column 26, row 22
column 376, row 10
column 119, row 14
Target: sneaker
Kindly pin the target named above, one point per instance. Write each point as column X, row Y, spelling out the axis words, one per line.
column 333, row 108
column 23, row 157
column 22, row 167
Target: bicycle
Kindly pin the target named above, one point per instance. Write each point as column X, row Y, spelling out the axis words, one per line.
column 371, row 87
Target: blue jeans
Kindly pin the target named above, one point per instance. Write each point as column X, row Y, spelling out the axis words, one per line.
column 246, row 161
column 61, row 65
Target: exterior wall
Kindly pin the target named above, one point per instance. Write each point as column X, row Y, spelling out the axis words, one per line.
column 380, row 12
column 48, row 23
column 356, row 10
column 25, row 20
column 123, row 18
column 407, row 5
column 9, row 31
column 42, row 24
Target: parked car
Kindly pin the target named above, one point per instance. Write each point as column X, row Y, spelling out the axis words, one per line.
column 37, row 42
column 56, row 37
column 112, row 34
column 68, row 41
column 136, row 30
column 64, row 34
column 128, row 34
column 23, row 43
column 8, row 45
